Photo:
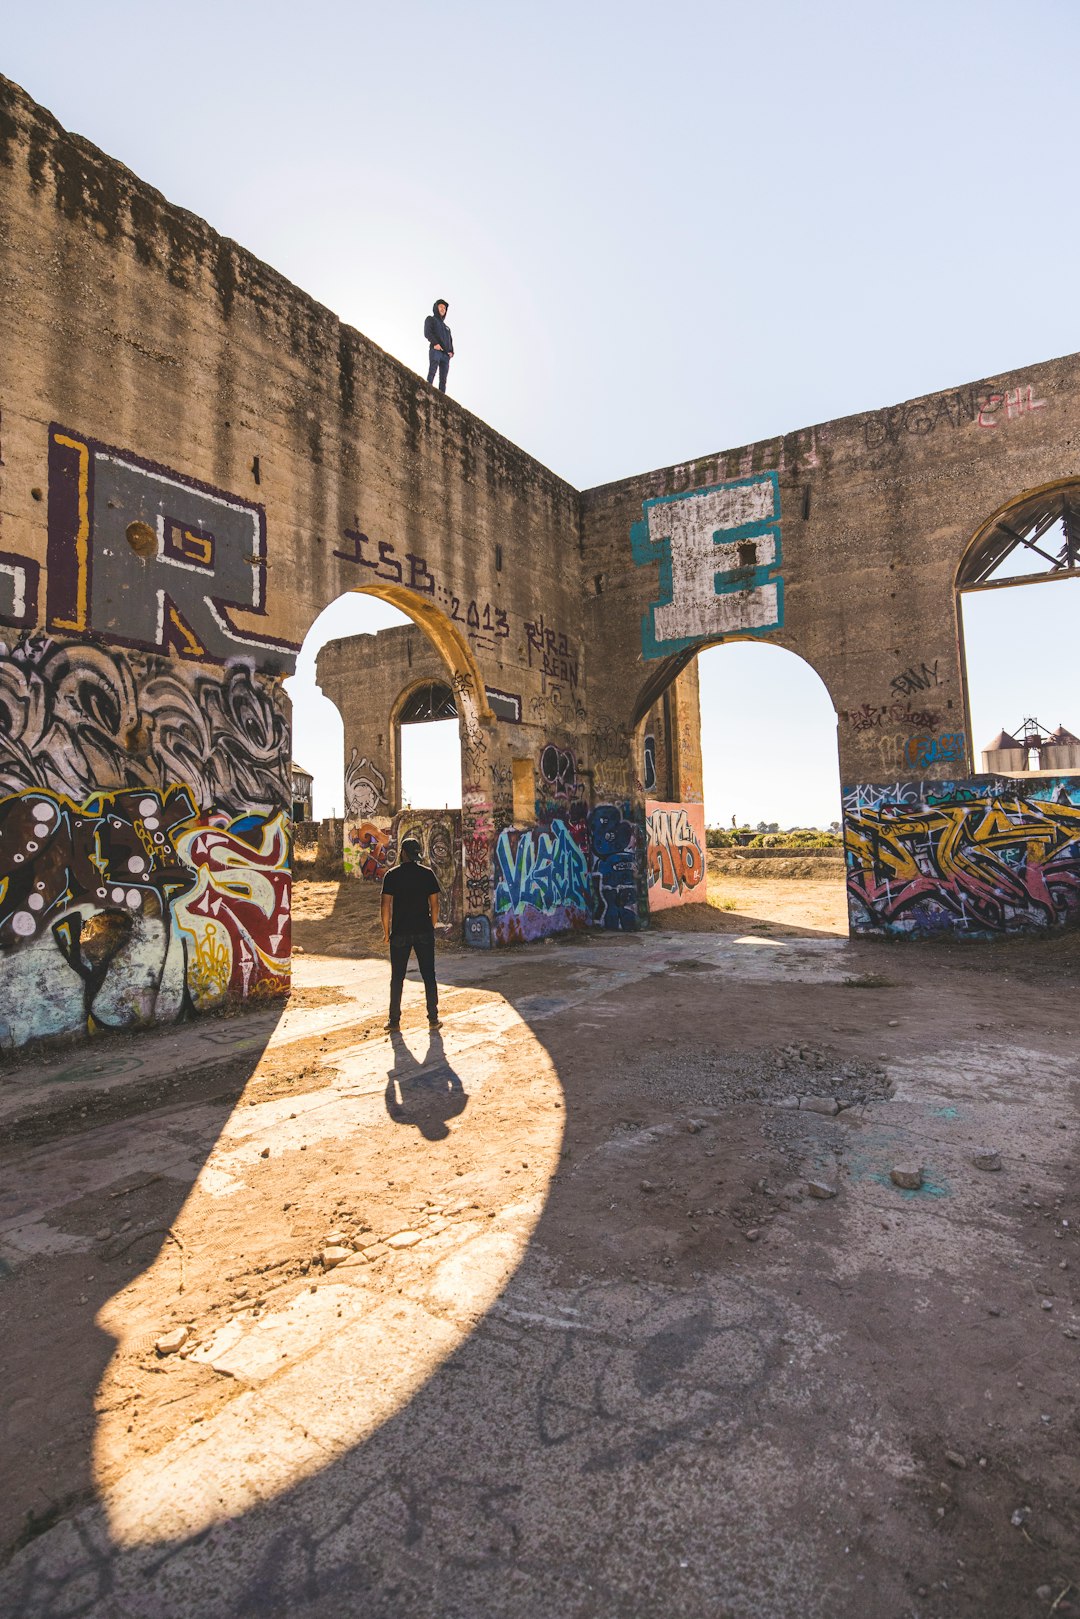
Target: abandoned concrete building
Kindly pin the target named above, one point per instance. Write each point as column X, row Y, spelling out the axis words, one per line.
column 198, row 458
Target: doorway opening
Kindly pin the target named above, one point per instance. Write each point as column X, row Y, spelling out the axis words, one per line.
column 757, row 784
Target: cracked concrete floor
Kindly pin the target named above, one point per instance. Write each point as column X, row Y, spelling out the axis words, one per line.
column 593, row 1351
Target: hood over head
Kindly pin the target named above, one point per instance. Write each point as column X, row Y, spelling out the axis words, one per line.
column 435, row 307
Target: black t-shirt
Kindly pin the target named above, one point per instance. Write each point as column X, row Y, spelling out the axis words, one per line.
column 410, row 884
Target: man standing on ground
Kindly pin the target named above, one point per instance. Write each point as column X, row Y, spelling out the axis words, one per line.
column 410, row 910
column 440, row 343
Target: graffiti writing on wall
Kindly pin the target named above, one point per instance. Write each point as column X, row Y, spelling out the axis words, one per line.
column 365, row 787
column 551, row 652
column 650, row 763
column 369, row 849
column 74, row 716
column 477, row 842
column 924, row 750
column 541, row 882
column 871, row 717
column 131, row 907
column 382, row 561
column 912, row 680
column 613, row 841
column 18, row 590
column 1017, row 402
column 980, row 857
column 147, row 558
column 438, row 833
column 676, row 854
column 719, row 555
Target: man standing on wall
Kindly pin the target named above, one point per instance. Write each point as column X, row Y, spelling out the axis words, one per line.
column 410, row 911
column 440, row 343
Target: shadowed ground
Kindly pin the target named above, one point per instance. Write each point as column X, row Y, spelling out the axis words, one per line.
column 595, row 1350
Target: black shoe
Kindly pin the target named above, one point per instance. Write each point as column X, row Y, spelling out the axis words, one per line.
column 390, row 1027
column 434, row 1022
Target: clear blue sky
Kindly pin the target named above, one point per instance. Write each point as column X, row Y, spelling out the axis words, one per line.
column 662, row 231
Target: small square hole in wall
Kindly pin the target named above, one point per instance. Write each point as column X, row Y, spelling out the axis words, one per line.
column 747, row 554
column 524, row 792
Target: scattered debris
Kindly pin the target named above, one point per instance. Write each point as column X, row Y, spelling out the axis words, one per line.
column 404, row 1239
column 986, row 1158
column 908, row 1176
column 265, row 1153
column 694, row 1126
column 334, row 1255
column 170, row 1343
column 819, row 1104
column 954, row 1459
column 821, row 1189
column 752, row 1235
column 648, row 1186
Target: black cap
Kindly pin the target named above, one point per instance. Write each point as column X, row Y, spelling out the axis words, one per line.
column 411, row 850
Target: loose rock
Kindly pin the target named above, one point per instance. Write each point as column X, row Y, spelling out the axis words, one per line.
column 694, row 1126
column 170, row 1343
column 403, row 1239
column 819, row 1104
column 820, row 1189
column 986, row 1158
column 648, row 1186
column 265, row 1153
column 752, row 1235
column 332, row 1256
column 954, row 1459
column 908, row 1176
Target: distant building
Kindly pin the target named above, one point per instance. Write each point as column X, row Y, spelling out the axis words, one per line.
column 302, row 787
column 1033, row 751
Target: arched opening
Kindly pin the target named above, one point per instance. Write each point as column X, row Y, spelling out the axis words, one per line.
column 737, row 752
column 1021, row 656
column 427, row 746
column 376, row 669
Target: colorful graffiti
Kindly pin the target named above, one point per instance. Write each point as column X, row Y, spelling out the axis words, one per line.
column 438, row 833
column 614, row 843
column 541, row 882
column 201, row 551
column 676, row 854
column 369, row 849
column 129, row 907
column 977, row 858
column 718, row 550
column 75, row 716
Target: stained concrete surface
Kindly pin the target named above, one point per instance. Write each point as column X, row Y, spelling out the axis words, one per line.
column 595, row 1351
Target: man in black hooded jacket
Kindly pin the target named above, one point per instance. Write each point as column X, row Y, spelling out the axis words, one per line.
column 440, row 343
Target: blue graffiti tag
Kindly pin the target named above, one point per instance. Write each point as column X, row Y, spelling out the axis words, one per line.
column 613, row 839
column 544, row 869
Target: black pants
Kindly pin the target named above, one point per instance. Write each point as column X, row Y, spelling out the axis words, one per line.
column 400, row 946
column 438, row 360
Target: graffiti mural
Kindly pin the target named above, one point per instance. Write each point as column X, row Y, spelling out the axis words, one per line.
column 438, row 833
column 719, row 554
column 676, row 854
column 541, row 883
column 365, row 788
column 129, row 907
column 75, row 716
column 369, row 849
column 145, row 557
column 978, row 858
column 614, row 844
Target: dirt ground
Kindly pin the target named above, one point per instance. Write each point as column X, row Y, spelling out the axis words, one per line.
column 539, row 1314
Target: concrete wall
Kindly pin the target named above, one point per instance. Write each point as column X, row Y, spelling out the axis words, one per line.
column 197, row 458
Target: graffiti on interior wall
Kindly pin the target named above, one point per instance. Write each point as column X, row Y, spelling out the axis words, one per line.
column 130, row 907
column 676, row 854
column 365, row 787
column 979, row 857
column 873, row 717
column 650, row 763
column 145, row 557
column 74, row 715
column 550, row 652
column 912, row 680
column 438, row 833
column 541, row 882
column 922, row 751
column 719, row 555
column 369, row 849
column 18, row 590
column 613, row 843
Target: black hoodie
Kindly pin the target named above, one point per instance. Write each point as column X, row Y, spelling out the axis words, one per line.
column 436, row 330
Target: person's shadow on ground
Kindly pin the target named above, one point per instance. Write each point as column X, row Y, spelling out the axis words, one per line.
column 424, row 1094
